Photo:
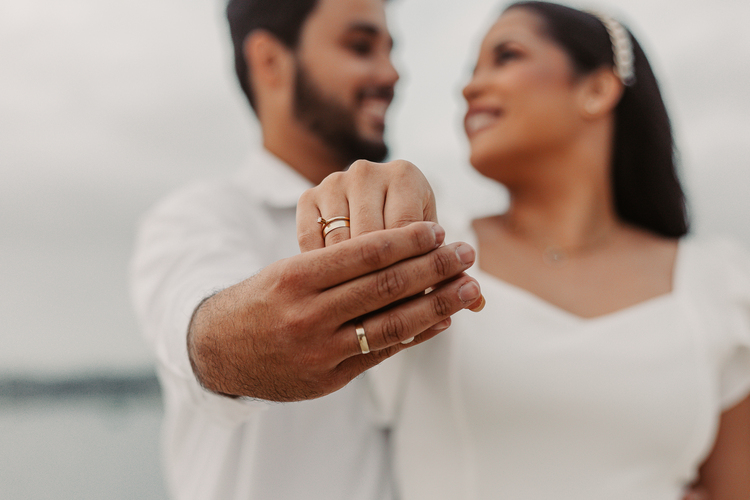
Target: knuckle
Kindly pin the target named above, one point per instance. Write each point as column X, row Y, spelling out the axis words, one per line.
column 391, row 283
column 295, row 322
column 333, row 180
column 287, row 274
column 360, row 167
column 376, row 254
column 441, row 306
column 423, row 237
column 442, row 263
column 405, row 220
column 407, row 168
column 394, row 326
column 403, row 165
column 307, row 197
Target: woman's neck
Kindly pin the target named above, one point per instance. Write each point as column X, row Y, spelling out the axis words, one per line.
column 571, row 211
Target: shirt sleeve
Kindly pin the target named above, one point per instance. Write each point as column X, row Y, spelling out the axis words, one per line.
column 735, row 373
column 189, row 247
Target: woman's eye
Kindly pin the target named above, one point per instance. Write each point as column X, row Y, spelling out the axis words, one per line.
column 361, row 48
column 503, row 56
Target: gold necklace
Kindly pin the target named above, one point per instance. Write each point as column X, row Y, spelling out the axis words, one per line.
column 557, row 256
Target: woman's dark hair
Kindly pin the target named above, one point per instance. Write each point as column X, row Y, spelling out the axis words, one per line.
column 282, row 18
column 646, row 189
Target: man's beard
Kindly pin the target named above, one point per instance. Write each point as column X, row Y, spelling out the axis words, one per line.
column 333, row 123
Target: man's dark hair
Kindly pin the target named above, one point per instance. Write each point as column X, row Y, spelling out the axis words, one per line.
column 646, row 188
column 282, row 18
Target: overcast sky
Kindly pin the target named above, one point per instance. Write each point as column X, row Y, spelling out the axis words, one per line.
column 106, row 106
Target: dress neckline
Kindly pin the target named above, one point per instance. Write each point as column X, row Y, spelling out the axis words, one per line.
column 560, row 312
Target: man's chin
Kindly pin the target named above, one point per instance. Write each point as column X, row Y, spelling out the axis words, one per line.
column 375, row 151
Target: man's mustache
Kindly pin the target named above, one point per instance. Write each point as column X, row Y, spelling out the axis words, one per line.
column 384, row 92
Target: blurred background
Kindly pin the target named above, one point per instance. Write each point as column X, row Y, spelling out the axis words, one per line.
column 107, row 106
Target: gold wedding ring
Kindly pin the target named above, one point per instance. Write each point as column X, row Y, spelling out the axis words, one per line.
column 361, row 337
column 333, row 223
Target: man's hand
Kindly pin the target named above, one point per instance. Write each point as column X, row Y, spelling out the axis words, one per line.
column 288, row 333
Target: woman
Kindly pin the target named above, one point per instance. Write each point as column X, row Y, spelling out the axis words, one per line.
column 613, row 357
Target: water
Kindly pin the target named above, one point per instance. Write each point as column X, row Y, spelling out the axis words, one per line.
column 84, row 438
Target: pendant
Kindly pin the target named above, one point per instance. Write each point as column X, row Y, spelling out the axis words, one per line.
column 555, row 256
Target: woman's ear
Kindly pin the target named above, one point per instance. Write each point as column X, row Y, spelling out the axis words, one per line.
column 600, row 93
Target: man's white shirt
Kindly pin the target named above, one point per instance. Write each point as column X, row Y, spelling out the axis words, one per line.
column 196, row 242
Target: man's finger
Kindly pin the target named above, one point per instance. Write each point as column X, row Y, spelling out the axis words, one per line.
column 400, row 324
column 355, row 365
column 403, row 280
column 325, row 268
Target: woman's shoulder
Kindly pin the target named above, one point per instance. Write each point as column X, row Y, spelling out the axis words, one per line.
column 718, row 272
column 713, row 277
column 718, row 260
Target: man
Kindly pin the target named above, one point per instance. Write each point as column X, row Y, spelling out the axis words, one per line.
column 238, row 319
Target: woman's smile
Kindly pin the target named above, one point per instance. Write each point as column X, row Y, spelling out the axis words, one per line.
column 478, row 119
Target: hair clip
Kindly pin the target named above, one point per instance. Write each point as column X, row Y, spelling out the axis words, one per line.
column 622, row 48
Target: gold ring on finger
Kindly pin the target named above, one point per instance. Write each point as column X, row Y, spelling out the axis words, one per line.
column 324, row 222
column 359, row 328
column 334, row 224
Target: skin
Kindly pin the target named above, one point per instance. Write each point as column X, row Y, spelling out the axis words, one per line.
column 287, row 333
column 557, row 170
column 546, row 134
column 345, row 50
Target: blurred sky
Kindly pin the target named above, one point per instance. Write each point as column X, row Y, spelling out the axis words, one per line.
column 107, row 106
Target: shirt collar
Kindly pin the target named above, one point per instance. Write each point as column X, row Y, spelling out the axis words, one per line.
column 273, row 181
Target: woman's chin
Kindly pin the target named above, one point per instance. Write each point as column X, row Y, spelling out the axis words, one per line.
column 485, row 163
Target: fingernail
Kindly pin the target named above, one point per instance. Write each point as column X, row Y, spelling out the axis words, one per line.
column 439, row 235
column 480, row 306
column 408, row 341
column 441, row 325
column 465, row 254
column 469, row 292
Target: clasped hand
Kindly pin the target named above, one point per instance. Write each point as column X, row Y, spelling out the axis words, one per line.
column 288, row 333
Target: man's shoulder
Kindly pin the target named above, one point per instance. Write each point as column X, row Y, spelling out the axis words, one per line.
column 216, row 191
column 264, row 182
column 205, row 197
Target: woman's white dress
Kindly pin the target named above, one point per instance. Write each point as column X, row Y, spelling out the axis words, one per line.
column 527, row 401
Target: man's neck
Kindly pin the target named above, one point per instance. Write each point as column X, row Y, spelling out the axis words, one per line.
column 305, row 154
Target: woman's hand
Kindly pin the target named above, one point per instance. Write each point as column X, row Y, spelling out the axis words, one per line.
column 696, row 494
column 373, row 196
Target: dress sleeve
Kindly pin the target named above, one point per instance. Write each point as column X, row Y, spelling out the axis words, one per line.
column 735, row 373
column 184, row 253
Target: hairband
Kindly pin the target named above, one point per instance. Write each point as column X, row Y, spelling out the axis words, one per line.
column 622, row 48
